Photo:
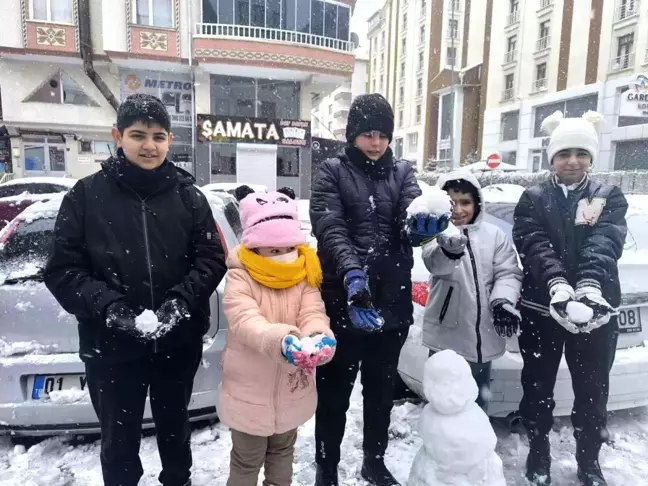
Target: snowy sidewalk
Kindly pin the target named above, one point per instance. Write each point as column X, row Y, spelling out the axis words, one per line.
column 54, row 462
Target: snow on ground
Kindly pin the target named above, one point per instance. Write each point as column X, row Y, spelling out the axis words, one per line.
column 62, row 462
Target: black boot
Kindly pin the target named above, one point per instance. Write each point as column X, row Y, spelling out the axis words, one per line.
column 375, row 472
column 589, row 473
column 326, row 476
column 538, row 464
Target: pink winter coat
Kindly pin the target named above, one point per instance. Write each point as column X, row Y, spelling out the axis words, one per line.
column 261, row 393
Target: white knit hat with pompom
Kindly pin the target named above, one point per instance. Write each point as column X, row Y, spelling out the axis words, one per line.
column 572, row 133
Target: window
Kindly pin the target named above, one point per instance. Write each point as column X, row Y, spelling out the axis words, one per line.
column 423, row 8
column 382, row 40
column 418, row 113
column 541, row 76
column 625, row 48
column 515, row 5
column 511, row 43
column 303, row 17
column 422, row 34
column 421, row 61
column 400, row 118
column 447, row 109
column 571, row 108
column 223, row 159
column 412, row 142
column 52, row 10
column 398, row 148
column 509, row 158
column 453, row 29
column 330, row 109
column 544, row 29
column 97, row 147
column 451, row 56
column 509, row 124
column 403, row 47
column 316, row 17
column 44, row 155
column 61, row 89
column 401, row 94
column 402, row 70
column 509, row 81
column 404, row 22
column 631, row 155
column 382, row 60
column 382, row 82
column 419, row 87
column 288, row 11
column 287, row 162
column 273, row 14
column 158, row 13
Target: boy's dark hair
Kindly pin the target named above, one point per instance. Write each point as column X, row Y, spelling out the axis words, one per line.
column 462, row 185
column 144, row 108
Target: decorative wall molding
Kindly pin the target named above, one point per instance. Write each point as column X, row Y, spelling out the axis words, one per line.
column 23, row 19
column 129, row 22
column 176, row 24
column 154, row 41
column 50, row 36
column 77, row 40
column 302, row 61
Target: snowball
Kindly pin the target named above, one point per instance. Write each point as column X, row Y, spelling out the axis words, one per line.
column 579, row 313
column 147, row 322
column 308, row 346
column 433, row 201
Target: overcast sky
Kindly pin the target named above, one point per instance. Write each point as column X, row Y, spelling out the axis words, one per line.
column 363, row 10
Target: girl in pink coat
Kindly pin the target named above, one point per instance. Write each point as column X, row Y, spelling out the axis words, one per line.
column 278, row 333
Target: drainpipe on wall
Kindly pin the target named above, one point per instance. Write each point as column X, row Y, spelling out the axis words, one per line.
column 85, row 46
column 192, row 70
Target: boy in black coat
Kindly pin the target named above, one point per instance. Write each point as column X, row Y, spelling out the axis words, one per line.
column 569, row 233
column 358, row 213
column 138, row 235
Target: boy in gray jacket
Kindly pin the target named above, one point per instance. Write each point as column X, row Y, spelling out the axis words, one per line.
column 475, row 283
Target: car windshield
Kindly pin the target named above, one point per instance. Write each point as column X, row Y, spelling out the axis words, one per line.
column 24, row 254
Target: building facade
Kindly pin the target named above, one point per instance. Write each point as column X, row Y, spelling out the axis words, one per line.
column 427, row 58
column 62, row 77
column 330, row 113
column 570, row 56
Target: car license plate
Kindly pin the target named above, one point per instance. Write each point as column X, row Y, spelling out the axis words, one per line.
column 630, row 320
column 44, row 384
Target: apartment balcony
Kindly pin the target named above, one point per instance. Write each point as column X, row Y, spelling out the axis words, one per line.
column 341, row 114
column 513, row 19
column 274, row 48
column 622, row 63
column 510, row 57
column 539, row 85
column 343, row 96
column 543, row 44
column 543, row 4
column 507, row 94
column 375, row 21
column 628, row 11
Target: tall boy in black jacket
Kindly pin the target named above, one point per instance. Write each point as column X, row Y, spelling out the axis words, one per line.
column 570, row 233
column 138, row 235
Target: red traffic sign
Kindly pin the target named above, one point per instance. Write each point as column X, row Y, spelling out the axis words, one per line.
column 493, row 161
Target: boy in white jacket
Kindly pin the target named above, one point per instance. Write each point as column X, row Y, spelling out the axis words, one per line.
column 475, row 284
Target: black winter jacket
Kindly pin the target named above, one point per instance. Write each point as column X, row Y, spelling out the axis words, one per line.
column 358, row 219
column 577, row 238
column 111, row 244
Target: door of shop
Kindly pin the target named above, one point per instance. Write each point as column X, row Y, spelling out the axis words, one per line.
column 257, row 164
column 44, row 156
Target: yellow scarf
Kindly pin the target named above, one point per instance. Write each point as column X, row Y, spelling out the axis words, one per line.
column 278, row 275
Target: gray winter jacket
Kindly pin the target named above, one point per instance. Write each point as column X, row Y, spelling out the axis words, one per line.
column 458, row 312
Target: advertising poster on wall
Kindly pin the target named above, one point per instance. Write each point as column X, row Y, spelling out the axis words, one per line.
column 175, row 91
column 634, row 101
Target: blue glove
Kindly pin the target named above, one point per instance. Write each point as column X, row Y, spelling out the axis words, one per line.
column 361, row 309
column 422, row 228
column 289, row 345
column 324, row 341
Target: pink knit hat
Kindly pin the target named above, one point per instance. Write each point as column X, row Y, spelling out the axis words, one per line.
column 271, row 220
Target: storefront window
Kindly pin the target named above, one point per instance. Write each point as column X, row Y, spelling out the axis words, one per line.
column 223, row 159
column 260, row 98
column 44, row 155
column 287, row 162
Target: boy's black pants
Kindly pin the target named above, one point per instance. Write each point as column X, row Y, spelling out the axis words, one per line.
column 376, row 356
column 589, row 357
column 118, row 394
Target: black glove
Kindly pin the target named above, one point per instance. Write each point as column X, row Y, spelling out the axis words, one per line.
column 122, row 318
column 172, row 311
column 506, row 318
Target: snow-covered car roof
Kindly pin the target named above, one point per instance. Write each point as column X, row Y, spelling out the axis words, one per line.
column 230, row 186
column 61, row 181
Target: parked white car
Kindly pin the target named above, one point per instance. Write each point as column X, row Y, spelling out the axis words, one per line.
column 629, row 376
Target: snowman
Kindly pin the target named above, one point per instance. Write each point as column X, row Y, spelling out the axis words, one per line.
column 458, row 440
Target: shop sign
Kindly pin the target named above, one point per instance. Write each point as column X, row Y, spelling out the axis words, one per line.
column 634, row 101
column 231, row 129
column 175, row 91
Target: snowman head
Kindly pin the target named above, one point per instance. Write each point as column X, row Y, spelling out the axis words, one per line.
column 448, row 382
